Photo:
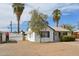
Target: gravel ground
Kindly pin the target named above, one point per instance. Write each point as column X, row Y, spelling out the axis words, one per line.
column 26, row 48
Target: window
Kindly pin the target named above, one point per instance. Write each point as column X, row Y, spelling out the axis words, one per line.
column 45, row 34
column 65, row 33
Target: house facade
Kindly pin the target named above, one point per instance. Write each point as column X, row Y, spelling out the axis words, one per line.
column 76, row 33
column 47, row 34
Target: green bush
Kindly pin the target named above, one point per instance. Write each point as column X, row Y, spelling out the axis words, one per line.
column 67, row 38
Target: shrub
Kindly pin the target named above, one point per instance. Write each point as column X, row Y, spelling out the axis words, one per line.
column 66, row 38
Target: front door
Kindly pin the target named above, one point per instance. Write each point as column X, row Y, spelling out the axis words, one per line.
column 60, row 35
column 56, row 36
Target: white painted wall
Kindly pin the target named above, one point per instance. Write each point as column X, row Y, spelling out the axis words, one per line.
column 31, row 37
column 12, row 36
column 15, row 36
column 50, row 39
column 3, row 37
column 36, row 38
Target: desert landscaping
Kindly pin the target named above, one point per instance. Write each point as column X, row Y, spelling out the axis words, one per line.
column 26, row 48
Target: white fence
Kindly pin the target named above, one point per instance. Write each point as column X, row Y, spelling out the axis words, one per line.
column 15, row 36
column 12, row 36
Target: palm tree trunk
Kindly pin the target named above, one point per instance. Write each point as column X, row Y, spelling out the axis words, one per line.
column 18, row 25
column 57, row 24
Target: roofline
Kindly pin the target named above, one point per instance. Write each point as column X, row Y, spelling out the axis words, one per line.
column 50, row 27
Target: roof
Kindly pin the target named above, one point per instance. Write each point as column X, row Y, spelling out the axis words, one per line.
column 76, row 31
column 55, row 28
column 60, row 29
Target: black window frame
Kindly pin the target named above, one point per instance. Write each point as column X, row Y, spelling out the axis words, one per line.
column 43, row 34
column 65, row 33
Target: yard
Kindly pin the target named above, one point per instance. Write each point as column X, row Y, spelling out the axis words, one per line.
column 26, row 48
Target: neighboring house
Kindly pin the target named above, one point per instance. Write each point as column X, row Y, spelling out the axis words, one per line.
column 2, row 36
column 12, row 36
column 76, row 33
column 47, row 34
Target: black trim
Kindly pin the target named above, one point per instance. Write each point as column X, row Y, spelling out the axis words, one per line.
column 45, row 34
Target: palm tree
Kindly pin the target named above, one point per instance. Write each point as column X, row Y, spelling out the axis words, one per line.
column 18, row 9
column 56, row 16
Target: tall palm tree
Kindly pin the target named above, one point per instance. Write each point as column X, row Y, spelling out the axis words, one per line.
column 18, row 9
column 56, row 16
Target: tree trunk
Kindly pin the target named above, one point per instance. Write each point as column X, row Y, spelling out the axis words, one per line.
column 18, row 25
column 57, row 24
column 40, row 37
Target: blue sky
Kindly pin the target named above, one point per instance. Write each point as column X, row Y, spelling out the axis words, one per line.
column 70, row 14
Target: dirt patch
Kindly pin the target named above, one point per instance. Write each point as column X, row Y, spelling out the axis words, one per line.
column 26, row 48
